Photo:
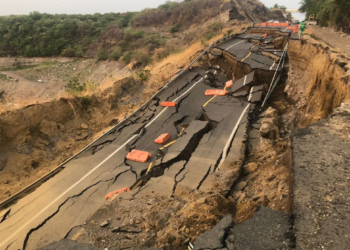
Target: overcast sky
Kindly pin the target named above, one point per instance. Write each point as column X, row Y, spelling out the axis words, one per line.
column 8, row 7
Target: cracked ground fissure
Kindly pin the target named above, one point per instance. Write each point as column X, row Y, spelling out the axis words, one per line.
column 204, row 178
column 176, row 109
column 70, row 230
column 187, row 158
column 58, row 210
column 5, row 215
column 177, row 174
column 184, row 155
column 9, row 245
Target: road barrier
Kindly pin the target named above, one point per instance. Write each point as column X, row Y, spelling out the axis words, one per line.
column 229, row 84
column 220, row 92
column 34, row 184
column 272, row 24
column 138, row 155
column 168, row 104
column 162, row 139
column 273, row 84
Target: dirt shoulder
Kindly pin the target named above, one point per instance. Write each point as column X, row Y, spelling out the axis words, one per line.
column 321, row 177
column 334, row 38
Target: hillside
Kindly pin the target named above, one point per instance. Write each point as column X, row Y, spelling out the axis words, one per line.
column 116, row 35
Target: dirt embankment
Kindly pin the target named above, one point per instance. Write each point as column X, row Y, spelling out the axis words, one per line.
column 318, row 79
column 36, row 139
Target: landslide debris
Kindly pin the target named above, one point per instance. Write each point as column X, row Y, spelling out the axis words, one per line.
column 155, row 220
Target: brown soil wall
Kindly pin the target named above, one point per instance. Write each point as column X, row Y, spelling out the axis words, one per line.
column 316, row 80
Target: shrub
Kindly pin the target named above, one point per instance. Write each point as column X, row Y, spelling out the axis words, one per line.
column 229, row 32
column 102, row 54
column 163, row 54
column 68, row 52
column 127, row 57
column 116, row 53
column 142, row 58
column 85, row 101
column 216, row 27
column 79, row 51
column 138, row 34
column 74, row 87
column 143, row 74
column 174, row 29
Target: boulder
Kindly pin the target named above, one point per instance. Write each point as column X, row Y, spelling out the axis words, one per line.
column 269, row 125
column 84, row 126
column 250, row 168
column 240, row 186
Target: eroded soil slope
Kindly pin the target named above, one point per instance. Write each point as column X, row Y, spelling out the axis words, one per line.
column 36, row 139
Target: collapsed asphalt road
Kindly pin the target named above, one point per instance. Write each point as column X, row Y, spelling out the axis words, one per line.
column 209, row 132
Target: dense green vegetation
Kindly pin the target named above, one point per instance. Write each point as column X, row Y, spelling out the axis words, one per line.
column 132, row 36
column 41, row 34
column 334, row 13
column 107, row 36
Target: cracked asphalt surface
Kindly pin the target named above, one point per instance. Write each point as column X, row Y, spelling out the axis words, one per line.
column 268, row 229
column 68, row 199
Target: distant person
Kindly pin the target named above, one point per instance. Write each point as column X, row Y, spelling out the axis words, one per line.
column 302, row 27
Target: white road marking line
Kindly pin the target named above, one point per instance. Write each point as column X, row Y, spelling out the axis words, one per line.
column 245, row 80
column 65, row 192
column 234, row 45
column 224, row 152
column 251, row 94
column 85, row 176
column 155, row 118
column 272, row 65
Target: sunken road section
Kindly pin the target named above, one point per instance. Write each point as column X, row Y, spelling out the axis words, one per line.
column 208, row 133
